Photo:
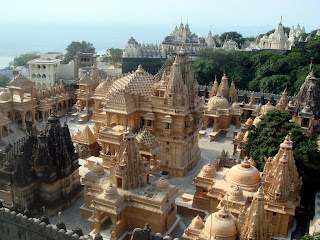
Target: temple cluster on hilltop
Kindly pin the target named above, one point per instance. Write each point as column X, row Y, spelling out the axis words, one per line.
column 181, row 36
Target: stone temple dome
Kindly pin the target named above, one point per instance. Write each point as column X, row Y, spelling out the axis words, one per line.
column 221, row 224
column 97, row 169
column 208, row 171
column 236, row 194
column 218, row 102
column 244, row 175
column 111, row 192
column 197, row 222
column 162, row 184
column 5, row 95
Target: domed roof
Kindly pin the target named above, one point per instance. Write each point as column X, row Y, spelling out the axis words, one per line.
column 235, row 105
column 208, row 171
column 111, row 192
column 5, row 95
column 197, row 222
column 221, row 224
column 257, row 109
column 256, row 121
column 266, row 108
column 162, row 184
column 245, row 137
column 140, row 70
column 244, row 175
column 236, row 194
column 239, row 135
column 97, row 168
column 217, row 102
column 252, row 162
column 249, row 122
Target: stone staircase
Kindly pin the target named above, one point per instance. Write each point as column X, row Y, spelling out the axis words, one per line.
column 16, row 133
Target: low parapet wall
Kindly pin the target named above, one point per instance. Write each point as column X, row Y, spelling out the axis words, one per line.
column 15, row 226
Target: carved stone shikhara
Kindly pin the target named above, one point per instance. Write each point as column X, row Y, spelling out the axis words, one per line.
column 41, row 170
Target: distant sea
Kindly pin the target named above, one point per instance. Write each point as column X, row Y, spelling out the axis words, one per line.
column 4, row 61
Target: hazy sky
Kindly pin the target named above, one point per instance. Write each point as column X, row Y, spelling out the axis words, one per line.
column 38, row 25
column 147, row 12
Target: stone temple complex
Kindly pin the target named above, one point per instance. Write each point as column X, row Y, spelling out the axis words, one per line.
column 169, row 108
column 21, row 103
column 123, row 198
column 241, row 208
column 276, row 40
column 182, row 36
column 41, row 170
column 305, row 106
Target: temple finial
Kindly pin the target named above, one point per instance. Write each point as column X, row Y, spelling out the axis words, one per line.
column 311, row 63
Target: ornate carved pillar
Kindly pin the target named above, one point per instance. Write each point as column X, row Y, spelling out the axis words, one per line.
column 21, row 93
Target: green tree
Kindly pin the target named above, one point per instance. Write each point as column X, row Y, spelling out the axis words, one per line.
column 237, row 37
column 212, row 62
column 312, row 48
column 77, row 47
column 315, row 236
column 22, row 59
column 265, row 139
column 4, row 80
column 114, row 55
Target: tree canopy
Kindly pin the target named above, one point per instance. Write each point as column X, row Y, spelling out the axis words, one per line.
column 237, row 37
column 76, row 47
column 265, row 139
column 4, row 80
column 265, row 71
column 114, row 55
column 315, row 236
column 22, row 59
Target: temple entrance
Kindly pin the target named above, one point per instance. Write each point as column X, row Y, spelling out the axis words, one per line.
column 17, row 117
column 105, row 226
column 304, row 122
column 119, row 182
column 233, row 120
column 115, row 120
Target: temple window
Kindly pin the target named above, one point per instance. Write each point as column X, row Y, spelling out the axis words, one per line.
column 39, row 67
column 304, row 122
column 38, row 76
column 44, row 76
column 167, row 126
column 44, row 67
